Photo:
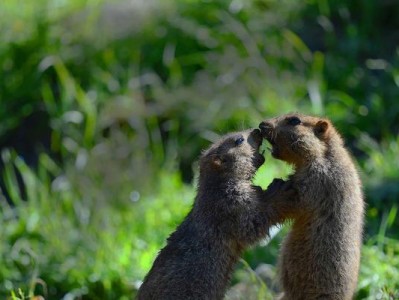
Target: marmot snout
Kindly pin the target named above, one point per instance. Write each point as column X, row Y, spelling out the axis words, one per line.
column 296, row 138
column 235, row 155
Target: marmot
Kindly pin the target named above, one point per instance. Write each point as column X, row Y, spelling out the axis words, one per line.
column 228, row 215
column 320, row 256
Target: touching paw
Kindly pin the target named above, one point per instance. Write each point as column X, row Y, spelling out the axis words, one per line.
column 276, row 185
column 280, row 187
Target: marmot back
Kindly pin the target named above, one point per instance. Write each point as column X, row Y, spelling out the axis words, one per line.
column 228, row 215
column 320, row 256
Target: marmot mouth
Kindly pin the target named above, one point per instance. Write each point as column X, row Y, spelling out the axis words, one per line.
column 270, row 140
column 273, row 149
column 260, row 152
column 258, row 157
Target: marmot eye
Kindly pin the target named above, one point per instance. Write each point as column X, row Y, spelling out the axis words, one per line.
column 239, row 141
column 294, row 121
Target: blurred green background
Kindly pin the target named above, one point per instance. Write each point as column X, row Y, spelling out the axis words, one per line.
column 106, row 105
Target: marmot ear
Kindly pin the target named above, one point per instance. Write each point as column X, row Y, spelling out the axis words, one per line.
column 321, row 128
column 217, row 161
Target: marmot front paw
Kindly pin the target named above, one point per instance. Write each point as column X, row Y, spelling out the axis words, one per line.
column 282, row 188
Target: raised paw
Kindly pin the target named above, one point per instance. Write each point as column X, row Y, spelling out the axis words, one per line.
column 288, row 190
column 280, row 188
column 276, row 185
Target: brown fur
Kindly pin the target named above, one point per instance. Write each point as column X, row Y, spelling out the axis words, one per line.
column 320, row 256
column 228, row 215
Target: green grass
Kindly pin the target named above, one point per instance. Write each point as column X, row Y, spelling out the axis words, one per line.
column 130, row 103
column 57, row 242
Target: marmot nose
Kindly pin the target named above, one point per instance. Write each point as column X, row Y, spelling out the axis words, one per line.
column 257, row 134
column 265, row 125
column 256, row 131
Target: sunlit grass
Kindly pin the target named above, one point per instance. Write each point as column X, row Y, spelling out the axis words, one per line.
column 127, row 107
column 57, row 239
column 379, row 270
column 57, row 243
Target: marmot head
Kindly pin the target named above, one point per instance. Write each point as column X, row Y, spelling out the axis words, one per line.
column 296, row 138
column 234, row 156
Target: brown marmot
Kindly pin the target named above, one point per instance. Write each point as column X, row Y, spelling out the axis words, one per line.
column 228, row 215
column 320, row 256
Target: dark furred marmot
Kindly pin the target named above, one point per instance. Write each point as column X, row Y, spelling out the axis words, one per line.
column 228, row 215
column 320, row 256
